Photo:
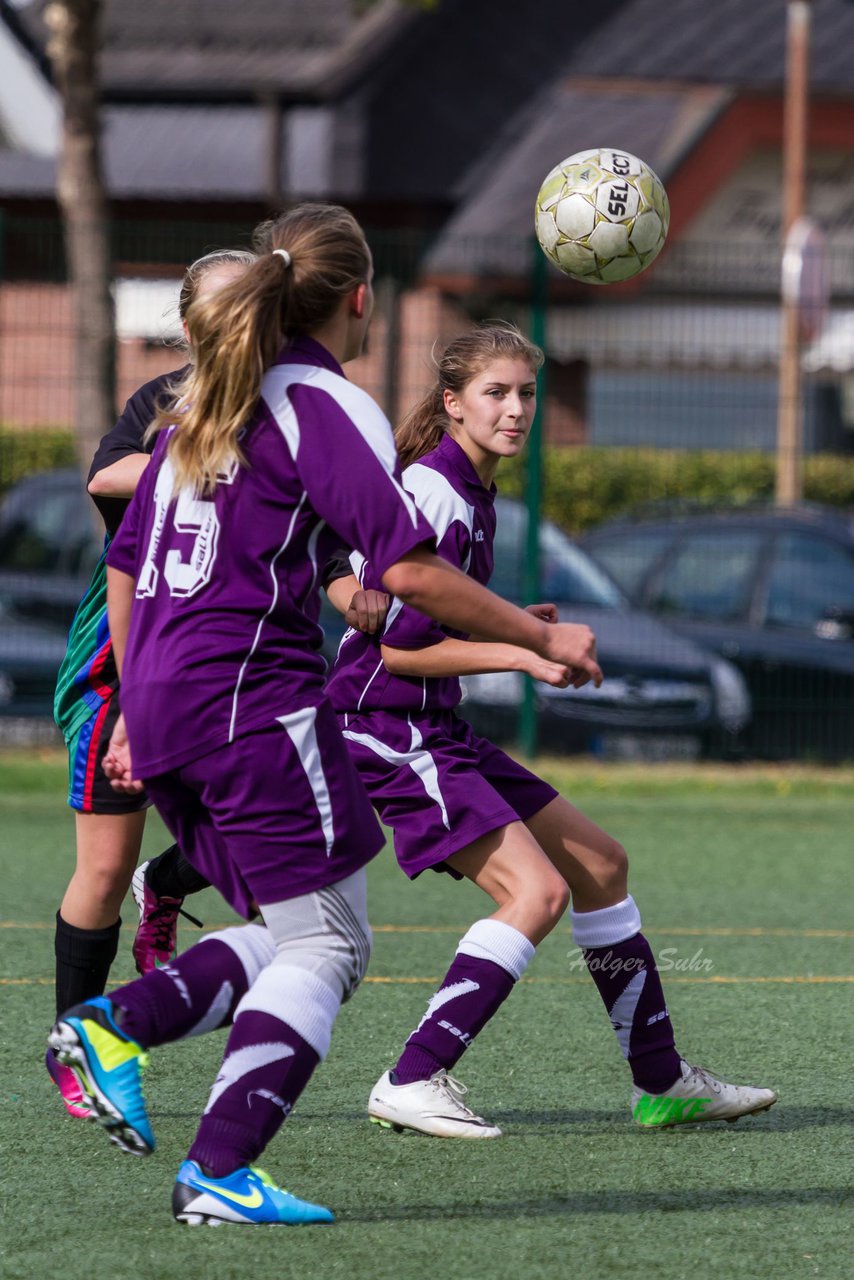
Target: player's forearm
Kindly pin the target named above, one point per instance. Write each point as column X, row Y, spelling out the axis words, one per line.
column 120, row 589
column 453, row 658
column 340, row 591
column 444, row 593
column 119, row 479
column 430, row 584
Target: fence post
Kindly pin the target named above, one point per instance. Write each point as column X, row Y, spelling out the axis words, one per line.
column 390, row 301
column 790, row 412
column 534, row 485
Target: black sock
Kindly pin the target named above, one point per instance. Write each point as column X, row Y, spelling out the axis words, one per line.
column 83, row 959
column 170, row 875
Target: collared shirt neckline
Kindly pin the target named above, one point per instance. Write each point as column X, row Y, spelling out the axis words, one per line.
column 305, row 350
column 462, row 463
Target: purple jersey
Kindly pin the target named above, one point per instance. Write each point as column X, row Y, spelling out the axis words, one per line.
column 449, row 492
column 224, row 635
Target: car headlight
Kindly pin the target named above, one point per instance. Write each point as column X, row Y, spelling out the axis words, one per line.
column 498, row 689
column 732, row 699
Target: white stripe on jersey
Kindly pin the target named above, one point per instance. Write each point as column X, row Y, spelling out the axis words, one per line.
column 394, row 609
column 364, row 413
column 377, row 669
column 312, row 550
column 261, row 621
column 439, row 501
column 300, row 727
column 418, row 760
column 358, row 564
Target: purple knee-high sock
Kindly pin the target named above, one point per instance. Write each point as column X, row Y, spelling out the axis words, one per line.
column 198, row 991
column 621, row 963
column 489, row 960
column 266, row 1067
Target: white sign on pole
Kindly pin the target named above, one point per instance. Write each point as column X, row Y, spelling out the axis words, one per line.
column 806, row 283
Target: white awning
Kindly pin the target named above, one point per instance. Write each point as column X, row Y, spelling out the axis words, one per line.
column 147, row 309
column 833, row 351
column 680, row 336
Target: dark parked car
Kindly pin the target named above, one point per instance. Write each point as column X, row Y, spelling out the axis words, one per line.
column 771, row 590
column 49, row 545
column 662, row 694
column 662, row 697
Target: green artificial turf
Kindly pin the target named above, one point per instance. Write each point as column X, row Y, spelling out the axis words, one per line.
column 743, row 879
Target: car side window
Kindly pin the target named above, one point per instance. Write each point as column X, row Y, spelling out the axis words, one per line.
column 48, row 532
column 810, row 579
column 509, row 551
column 628, row 558
column 33, row 542
column 710, row 576
column 568, row 574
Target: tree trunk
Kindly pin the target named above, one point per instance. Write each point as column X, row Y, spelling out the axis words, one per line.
column 74, row 28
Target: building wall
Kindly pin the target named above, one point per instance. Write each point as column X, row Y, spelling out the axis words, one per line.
column 37, row 375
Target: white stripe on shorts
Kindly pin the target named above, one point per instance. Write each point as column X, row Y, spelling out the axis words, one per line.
column 419, row 761
column 300, row 728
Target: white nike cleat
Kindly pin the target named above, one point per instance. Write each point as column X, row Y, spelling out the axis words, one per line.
column 696, row 1097
column 433, row 1106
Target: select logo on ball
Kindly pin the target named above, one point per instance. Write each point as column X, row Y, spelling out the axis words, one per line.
column 602, row 216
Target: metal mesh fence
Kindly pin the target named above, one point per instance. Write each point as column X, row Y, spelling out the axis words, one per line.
column 725, row 628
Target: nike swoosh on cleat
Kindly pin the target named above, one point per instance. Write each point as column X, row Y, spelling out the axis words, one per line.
column 484, row 1124
column 249, row 1202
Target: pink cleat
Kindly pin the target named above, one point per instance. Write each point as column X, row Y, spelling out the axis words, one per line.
column 156, row 940
column 69, row 1090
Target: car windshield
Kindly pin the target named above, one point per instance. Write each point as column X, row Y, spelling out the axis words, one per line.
column 567, row 574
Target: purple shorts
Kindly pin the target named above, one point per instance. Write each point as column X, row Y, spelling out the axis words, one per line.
column 276, row 814
column 437, row 784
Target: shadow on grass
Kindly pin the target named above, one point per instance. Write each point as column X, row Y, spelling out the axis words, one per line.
column 781, row 1118
column 622, row 1203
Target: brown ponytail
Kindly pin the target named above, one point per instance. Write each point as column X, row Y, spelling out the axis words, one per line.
column 463, row 359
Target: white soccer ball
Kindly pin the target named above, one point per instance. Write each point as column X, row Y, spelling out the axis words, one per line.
column 602, row 216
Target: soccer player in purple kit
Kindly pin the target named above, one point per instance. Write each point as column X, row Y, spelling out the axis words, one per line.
column 109, row 825
column 213, row 600
column 456, row 803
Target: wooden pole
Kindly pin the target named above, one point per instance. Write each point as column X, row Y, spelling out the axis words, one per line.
column 528, row 736
column 789, row 486
column 73, row 46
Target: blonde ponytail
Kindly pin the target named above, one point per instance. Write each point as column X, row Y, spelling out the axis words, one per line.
column 238, row 332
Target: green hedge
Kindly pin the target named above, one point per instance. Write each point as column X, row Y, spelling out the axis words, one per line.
column 583, row 486
column 23, row 452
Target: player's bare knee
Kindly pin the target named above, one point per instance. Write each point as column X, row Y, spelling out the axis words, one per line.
column 105, row 884
column 615, row 868
column 548, row 900
column 557, row 900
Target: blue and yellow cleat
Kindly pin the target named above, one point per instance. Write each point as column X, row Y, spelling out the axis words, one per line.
column 108, row 1066
column 246, row 1196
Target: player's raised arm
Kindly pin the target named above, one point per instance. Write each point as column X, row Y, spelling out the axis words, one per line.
column 430, row 584
column 471, row 658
